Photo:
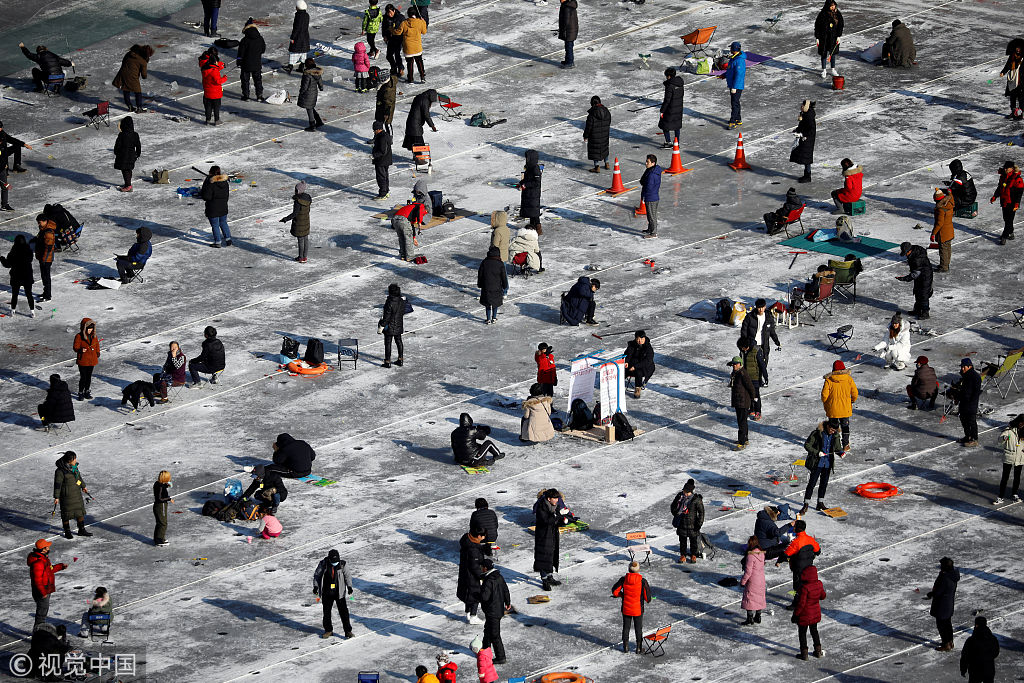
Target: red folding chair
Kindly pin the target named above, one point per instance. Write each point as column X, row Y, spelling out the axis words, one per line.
column 450, row 110
column 100, row 113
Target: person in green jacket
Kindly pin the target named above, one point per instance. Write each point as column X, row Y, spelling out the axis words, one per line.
column 301, row 201
column 372, row 18
column 424, row 7
column 68, row 487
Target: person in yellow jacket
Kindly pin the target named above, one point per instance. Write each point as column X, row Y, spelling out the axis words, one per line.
column 942, row 233
column 838, row 394
column 412, row 31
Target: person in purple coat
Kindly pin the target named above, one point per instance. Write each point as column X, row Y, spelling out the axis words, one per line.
column 650, row 187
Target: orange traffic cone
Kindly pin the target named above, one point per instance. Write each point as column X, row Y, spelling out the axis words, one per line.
column 640, row 210
column 677, row 165
column 740, row 162
column 617, row 187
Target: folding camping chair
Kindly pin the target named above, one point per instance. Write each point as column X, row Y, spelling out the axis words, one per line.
column 101, row 112
column 795, row 216
column 1002, row 373
column 644, row 59
column 67, row 239
column 814, row 307
column 636, row 542
column 518, row 264
column 136, row 275
column 846, row 279
column 698, row 42
column 773, row 22
column 54, row 82
column 838, row 340
column 368, row 677
column 421, row 158
column 57, row 428
column 744, row 496
column 654, row 643
column 348, row 351
column 449, row 110
column 99, row 625
column 950, row 402
column 1018, row 317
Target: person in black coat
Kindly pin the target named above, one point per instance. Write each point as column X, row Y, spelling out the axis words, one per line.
column 921, row 274
column 671, row 118
column 419, row 114
column 639, row 361
column 978, row 658
column 828, row 29
column 775, row 221
column 943, row 597
column 249, row 59
column 596, row 133
column 465, row 447
column 49, row 63
column 135, row 392
column 210, row 359
column 529, row 186
column 298, row 40
column 769, row 533
column 688, row 518
column 211, row 12
column 470, row 574
column 493, row 283
column 961, row 185
column 805, row 132
column 568, row 30
column 381, row 156
column 761, row 318
column 127, row 150
column 292, row 458
column 19, row 261
column 392, row 324
column 57, row 408
column 215, row 193
column 390, row 28
column 485, row 518
column 967, row 392
column 546, row 547
column 267, row 488
column 578, row 305
column 742, row 399
column 331, row 580
column 495, row 600
column 9, row 147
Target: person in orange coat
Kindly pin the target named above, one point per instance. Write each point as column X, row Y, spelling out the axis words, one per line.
column 43, row 583
column 838, row 394
column 634, row 591
column 87, row 346
column 43, row 244
column 547, row 375
column 211, row 66
column 942, row 233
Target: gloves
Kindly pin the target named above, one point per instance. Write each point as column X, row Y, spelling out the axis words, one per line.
column 778, row 347
column 732, row 90
column 563, row 511
column 929, row 594
column 283, row 220
column 350, row 590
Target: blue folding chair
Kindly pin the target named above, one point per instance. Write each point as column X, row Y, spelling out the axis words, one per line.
column 368, row 677
column 839, row 339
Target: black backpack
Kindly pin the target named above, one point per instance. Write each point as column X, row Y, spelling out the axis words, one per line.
column 580, row 416
column 623, row 430
column 448, row 209
column 212, row 507
column 314, row 353
column 436, row 202
column 290, row 348
column 723, row 311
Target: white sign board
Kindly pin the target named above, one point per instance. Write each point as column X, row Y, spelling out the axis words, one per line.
column 582, row 375
column 613, row 387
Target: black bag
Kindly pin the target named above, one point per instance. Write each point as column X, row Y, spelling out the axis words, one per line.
column 229, row 512
column 580, row 416
column 314, row 353
column 623, row 430
column 708, row 548
column 436, row 202
column 723, row 311
column 290, row 348
column 227, row 43
column 447, row 209
column 212, row 507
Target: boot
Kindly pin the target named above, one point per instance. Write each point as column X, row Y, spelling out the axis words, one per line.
column 818, row 652
column 553, row 581
column 912, row 406
column 67, row 530
column 748, row 622
column 757, row 617
column 636, row 391
column 399, row 362
column 803, row 510
column 803, row 654
column 625, row 647
column 387, row 364
column 82, row 531
column 804, row 179
column 327, row 634
column 349, row 634
column 546, row 585
column 821, row 505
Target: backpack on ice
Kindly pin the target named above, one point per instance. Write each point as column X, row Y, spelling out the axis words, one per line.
column 290, row 348
column 580, row 416
column 723, row 311
column 448, row 209
column 226, row 43
column 436, row 202
column 161, row 177
column 314, row 353
column 479, row 120
column 623, row 430
column 212, row 507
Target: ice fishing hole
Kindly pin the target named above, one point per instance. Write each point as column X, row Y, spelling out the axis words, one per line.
column 354, row 275
column 222, row 633
column 78, row 588
column 358, row 448
column 348, row 542
column 389, row 575
column 392, row 480
column 431, row 516
column 185, row 599
column 503, row 491
column 147, row 342
column 715, row 204
column 883, row 559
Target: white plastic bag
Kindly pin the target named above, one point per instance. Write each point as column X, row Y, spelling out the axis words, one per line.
column 874, row 53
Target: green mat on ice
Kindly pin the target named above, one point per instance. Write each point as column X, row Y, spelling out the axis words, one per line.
column 868, row 246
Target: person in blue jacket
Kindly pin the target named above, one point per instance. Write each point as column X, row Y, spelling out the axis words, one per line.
column 579, row 304
column 650, row 186
column 137, row 256
column 735, row 77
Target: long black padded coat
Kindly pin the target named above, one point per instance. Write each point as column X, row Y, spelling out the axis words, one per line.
column 597, row 132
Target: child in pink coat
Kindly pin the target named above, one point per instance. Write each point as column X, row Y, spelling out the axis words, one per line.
column 484, row 661
column 270, row 527
column 361, row 63
column 753, row 582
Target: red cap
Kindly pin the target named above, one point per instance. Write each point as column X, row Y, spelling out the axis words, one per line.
column 838, row 365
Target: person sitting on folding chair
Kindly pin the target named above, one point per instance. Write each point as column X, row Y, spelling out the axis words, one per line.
column 173, row 371
column 775, row 221
column 129, row 265
column 639, row 361
column 57, row 408
column 924, row 386
column 210, row 359
column 636, row 594
column 99, row 605
column 527, row 241
column 809, row 292
column 49, row 63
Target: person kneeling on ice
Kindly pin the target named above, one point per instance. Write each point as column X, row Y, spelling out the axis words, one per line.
column 579, row 304
column 924, row 386
column 895, row 350
column 330, row 581
column 270, row 527
column 292, row 458
column 267, row 489
column 775, row 221
column 527, row 241
column 57, row 408
column 465, row 448
column 536, row 423
column 100, row 604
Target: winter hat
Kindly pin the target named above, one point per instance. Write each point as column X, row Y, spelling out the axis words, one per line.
column 939, row 193
column 487, row 564
column 543, row 347
column 300, row 187
column 896, row 22
column 634, row 568
column 736, row 360
column 378, row 125
column 394, row 289
column 946, row 563
column 300, row 4
column 333, row 555
column 259, row 471
column 905, row 248
column 639, row 333
column 922, row 360
column 838, row 365
column 54, row 378
column 43, row 544
column 689, row 486
column 442, row 659
column 736, row 47
column 477, row 644
column 966, row 362
column 421, row 671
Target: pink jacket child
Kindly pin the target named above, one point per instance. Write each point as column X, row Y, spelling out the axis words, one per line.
column 484, row 662
column 360, row 60
column 271, row 527
column 753, row 582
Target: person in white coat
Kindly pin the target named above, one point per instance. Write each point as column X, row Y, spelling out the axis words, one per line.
column 895, row 350
column 528, row 240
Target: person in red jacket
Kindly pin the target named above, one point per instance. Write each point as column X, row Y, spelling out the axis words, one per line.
column 808, row 612
column 1008, row 192
column 800, row 554
column 42, row 573
column 446, row 669
column 547, row 375
column 853, row 183
column 634, row 591
column 211, row 67
column 87, row 349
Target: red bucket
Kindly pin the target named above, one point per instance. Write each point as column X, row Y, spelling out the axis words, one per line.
column 838, row 82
